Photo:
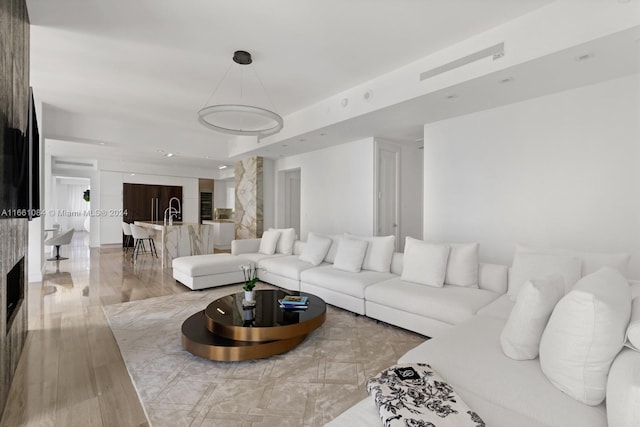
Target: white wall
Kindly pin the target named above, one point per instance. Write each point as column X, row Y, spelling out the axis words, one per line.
column 557, row 171
column 224, row 195
column 110, row 205
column 336, row 188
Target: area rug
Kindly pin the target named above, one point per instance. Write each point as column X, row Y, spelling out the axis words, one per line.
column 308, row 386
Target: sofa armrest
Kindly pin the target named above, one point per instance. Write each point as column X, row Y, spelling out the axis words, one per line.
column 493, row 277
column 623, row 390
column 245, row 246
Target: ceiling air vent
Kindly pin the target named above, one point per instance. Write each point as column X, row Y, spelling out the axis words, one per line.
column 73, row 164
column 496, row 51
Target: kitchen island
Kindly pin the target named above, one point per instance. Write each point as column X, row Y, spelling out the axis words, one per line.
column 181, row 239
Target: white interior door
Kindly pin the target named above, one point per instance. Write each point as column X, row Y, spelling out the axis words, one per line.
column 292, row 200
column 388, row 191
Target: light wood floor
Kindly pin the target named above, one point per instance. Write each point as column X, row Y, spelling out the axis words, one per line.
column 71, row 372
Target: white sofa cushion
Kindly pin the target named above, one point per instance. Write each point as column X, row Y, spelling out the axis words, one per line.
column 379, row 252
column 316, row 248
column 585, row 332
column 345, row 282
column 450, row 304
column 500, row 308
column 504, row 392
column 257, row 257
column 289, row 266
column 528, row 266
column 520, row 338
column 591, row 261
column 285, row 240
column 633, row 330
column 205, row 265
column 462, row 265
column 350, row 255
column 424, row 263
column 623, row 390
column 269, row 242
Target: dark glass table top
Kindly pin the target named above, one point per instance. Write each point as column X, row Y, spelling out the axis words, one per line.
column 267, row 313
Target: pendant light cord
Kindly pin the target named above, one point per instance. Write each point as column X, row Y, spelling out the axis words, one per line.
column 218, row 85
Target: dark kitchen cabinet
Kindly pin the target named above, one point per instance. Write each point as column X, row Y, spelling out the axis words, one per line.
column 144, row 202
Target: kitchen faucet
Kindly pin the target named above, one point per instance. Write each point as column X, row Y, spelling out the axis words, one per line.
column 170, row 212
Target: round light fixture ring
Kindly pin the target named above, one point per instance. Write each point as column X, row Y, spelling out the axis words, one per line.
column 242, row 109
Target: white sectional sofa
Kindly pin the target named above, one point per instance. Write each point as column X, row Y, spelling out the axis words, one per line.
column 465, row 323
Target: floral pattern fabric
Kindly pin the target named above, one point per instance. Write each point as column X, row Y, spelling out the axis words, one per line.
column 414, row 395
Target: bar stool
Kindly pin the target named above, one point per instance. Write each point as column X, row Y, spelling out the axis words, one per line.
column 126, row 230
column 139, row 236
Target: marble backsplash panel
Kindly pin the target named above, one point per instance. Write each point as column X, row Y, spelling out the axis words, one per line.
column 249, row 198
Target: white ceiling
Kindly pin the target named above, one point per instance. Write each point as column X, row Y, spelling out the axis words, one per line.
column 154, row 63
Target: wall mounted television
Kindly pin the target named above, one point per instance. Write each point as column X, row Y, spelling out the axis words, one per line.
column 20, row 167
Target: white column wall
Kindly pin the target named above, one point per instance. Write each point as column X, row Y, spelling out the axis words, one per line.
column 555, row 171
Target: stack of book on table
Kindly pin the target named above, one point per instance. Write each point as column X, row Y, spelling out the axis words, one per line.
column 294, row 302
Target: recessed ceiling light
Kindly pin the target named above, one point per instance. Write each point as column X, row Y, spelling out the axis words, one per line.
column 101, row 143
column 222, row 167
column 132, row 174
column 507, row 80
column 452, row 96
column 323, row 134
column 344, row 102
column 169, row 155
column 368, row 95
column 284, row 145
column 302, row 140
column 584, row 56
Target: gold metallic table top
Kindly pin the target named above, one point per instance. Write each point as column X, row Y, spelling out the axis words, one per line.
column 227, row 331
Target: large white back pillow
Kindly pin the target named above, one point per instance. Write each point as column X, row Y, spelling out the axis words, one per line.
column 623, row 390
column 350, row 254
column 316, row 248
column 424, row 263
column 633, row 330
column 585, row 333
column 379, row 252
column 591, row 261
column 269, row 242
column 520, row 338
column 463, row 265
column 286, row 240
column 528, row 266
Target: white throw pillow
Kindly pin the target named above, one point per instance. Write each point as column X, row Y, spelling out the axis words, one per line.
column 520, row 338
column 527, row 266
column 591, row 261
column 316, row 249
column 424, row 263
column 269, row 242
column 463, row 265
column 585, row 333
column 633, row 330
column 350, row 254
column 286, row 240
column 333, row 250
column 379, row 252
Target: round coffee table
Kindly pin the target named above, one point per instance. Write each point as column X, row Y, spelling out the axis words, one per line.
column 227, row 331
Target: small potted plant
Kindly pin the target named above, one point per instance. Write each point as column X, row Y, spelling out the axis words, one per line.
column 250, row 279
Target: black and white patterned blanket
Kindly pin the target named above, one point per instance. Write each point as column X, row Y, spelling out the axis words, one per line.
column 414, row 395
